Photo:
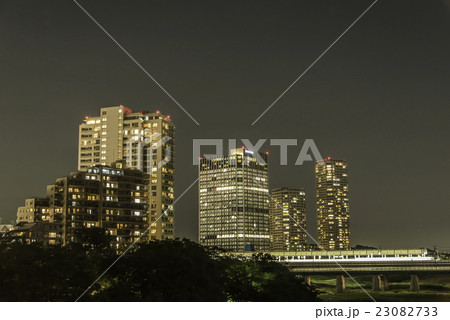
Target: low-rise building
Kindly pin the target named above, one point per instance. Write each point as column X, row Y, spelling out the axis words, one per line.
column 4, row 228
column 47, row 233
column 35, row 209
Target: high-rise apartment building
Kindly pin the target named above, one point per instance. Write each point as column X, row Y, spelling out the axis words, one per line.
column 145, row 141
column 233, row 202
column 333, row 214
column 288, row 220
column 114, row 198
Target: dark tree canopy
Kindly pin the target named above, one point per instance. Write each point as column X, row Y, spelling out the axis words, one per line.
column 168, row 270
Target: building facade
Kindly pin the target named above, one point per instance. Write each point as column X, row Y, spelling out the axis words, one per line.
column 111, row 197
column 233, row 202
column 44, row 232
column 145, row 141
column 333, row 213
column 35, row 209
column 288, row 220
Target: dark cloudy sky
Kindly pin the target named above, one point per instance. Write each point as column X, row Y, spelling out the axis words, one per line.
column 379, row 98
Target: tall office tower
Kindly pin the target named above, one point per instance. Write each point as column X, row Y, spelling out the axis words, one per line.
column 111, row 197
column 333, row 215
column 233, row 202
column 288, row 220
column 145, row 140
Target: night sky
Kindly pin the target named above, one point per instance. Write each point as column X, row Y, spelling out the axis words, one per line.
column 379, row 98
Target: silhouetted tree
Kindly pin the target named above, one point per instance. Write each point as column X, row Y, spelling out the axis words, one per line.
column 159, row 271
column 260, row 278
column 93, row 238
column 165, row 271
column 34, row 273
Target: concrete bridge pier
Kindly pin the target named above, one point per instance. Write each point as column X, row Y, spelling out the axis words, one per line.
column 340, row 284
column 414, row 285
column 308, row 280
column 376, row 283
column 385, row 283
column 380, row 283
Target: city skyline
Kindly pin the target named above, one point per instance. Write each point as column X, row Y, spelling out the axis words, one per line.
column 383, row 110
column 91, row 124
column 237, row 212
